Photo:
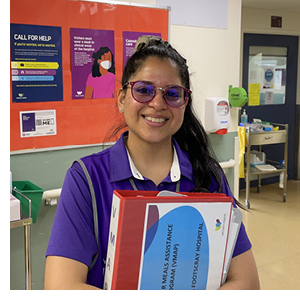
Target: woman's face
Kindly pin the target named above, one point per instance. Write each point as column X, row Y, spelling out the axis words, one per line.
column 106, row 56
column 154, row 121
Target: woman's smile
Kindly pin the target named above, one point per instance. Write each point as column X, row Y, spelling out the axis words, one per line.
column 154, row 119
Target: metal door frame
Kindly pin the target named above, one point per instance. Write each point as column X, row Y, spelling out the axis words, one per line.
column 291, row 42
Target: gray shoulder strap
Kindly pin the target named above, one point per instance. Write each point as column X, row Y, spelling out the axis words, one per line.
column 95, row 214
column 133, row 183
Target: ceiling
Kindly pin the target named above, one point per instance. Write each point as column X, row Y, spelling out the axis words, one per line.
column 281, row 5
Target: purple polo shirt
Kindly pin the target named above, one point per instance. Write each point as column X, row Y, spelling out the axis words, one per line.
column 73, row 234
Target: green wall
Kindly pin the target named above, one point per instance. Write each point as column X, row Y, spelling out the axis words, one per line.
column 47, row 170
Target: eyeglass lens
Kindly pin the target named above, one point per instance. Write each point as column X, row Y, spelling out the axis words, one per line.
column 144, row 91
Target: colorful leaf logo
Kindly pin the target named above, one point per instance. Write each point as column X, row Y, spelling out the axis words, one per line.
column 218, row 224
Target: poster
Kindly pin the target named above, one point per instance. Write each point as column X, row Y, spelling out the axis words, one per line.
column 37, row 123
column 93, row 63
column 36, row 63
column 129, row 40
column 199, row 13
column 268, row 78
column 254, row 94
column 278, row 79
column 269, row 97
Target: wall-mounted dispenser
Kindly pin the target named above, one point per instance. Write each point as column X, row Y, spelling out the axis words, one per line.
column 217, row 115
column 237, row 96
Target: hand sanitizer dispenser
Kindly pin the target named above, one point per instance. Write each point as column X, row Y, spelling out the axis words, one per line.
column 244, row 117
column 217, row 115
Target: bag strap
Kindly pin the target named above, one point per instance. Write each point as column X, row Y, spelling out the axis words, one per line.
column 95, row 214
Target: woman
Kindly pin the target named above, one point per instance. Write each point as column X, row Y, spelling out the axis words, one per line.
column 165, row 148
column 101, row 82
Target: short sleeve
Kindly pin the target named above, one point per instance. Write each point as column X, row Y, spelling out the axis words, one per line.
column 72, row 233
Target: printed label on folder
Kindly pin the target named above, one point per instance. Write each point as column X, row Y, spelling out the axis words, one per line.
column 184, row 261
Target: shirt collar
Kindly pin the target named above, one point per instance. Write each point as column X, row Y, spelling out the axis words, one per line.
column 135, row 172
column 120, row 168
column 174, row 172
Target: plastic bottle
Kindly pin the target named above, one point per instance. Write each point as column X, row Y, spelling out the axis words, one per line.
column 281, row 180
column 244, row 117
column 281, row 176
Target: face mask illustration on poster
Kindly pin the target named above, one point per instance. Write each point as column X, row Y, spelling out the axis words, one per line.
column 106, row 64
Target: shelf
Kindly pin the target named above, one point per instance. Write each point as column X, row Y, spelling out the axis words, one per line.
column 254, row 171
column 265, row 138
column 268, row 137
column 20, row 223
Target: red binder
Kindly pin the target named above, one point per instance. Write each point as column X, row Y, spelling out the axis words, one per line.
column 140, row 240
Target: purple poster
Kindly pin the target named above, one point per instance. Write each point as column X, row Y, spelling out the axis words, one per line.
column 129, row 40
column 93, row 63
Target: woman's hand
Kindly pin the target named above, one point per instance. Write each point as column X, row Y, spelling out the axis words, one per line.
column 242, row 274
column 67, row 274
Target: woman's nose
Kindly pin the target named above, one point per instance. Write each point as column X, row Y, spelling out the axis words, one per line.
column 158, row 102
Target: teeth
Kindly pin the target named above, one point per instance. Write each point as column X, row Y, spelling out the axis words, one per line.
column 155, row 120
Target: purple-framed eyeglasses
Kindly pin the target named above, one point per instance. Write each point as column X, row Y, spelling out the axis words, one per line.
column 145, row 91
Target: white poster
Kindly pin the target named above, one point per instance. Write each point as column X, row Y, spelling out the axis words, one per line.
column 278, row 79
column 269, row 97
column 200, row 13
column 268, row 77
column 37, row 123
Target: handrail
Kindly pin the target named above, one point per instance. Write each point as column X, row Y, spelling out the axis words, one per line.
column 234, row 163
column 15, row 190
column 55, row 193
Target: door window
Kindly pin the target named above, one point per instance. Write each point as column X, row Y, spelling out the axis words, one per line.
column 267, row 75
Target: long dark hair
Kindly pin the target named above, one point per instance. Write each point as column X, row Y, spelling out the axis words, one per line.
column 97, row 55
column 191, row 137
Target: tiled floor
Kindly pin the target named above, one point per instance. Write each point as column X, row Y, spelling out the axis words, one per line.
column 274, row 230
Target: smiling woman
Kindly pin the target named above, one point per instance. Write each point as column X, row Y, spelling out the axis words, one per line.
column 152, row 123
column 165, row 148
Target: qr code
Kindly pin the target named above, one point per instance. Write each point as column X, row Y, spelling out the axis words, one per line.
column 43, row 122
column 46, row 121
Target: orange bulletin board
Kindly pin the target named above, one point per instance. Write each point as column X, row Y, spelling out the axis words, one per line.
column 80, row 122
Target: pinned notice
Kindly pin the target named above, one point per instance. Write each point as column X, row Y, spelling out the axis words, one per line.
column 254, row 94
column 38, row 123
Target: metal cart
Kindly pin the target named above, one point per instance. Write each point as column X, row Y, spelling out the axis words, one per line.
column 25, row 222
column 265, row 138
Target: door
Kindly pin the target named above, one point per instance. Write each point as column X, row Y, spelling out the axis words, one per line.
column 271, row 62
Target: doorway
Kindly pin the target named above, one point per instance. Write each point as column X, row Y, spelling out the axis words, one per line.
column 272, row 60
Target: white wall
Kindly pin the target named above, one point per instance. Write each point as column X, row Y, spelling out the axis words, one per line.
column 259, row 21
column 213, row 57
